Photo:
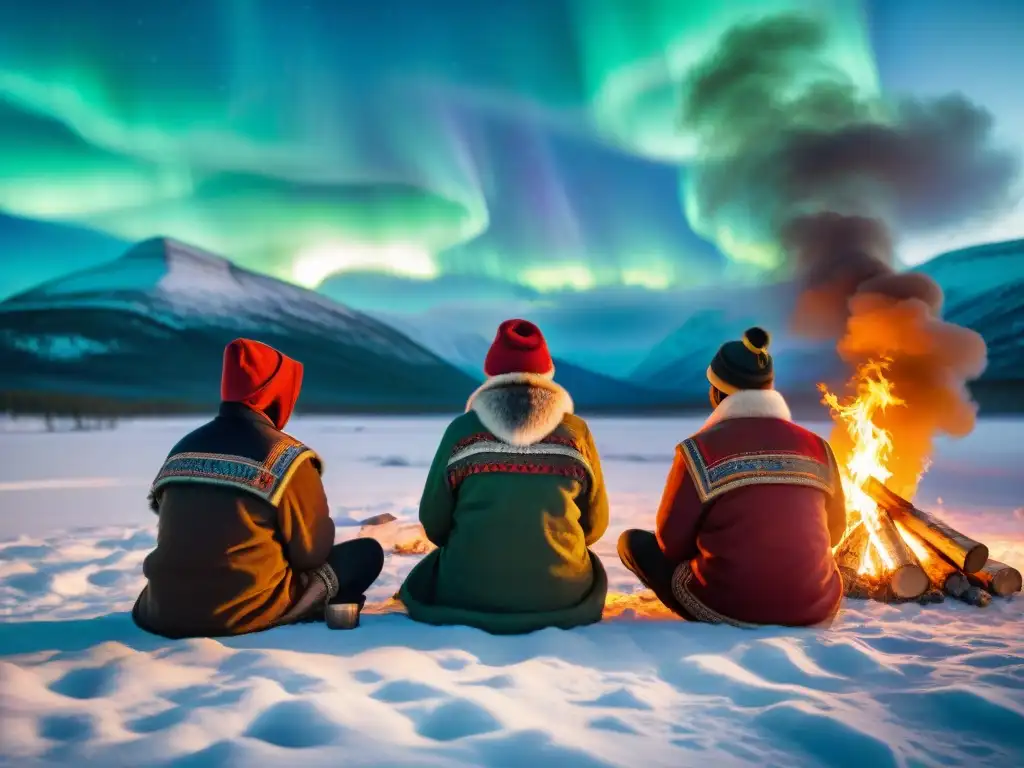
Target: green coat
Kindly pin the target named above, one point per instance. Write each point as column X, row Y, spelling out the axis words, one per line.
column 514, row 499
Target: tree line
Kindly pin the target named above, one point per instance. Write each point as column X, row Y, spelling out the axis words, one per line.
column 85, row 411
column 94, row 412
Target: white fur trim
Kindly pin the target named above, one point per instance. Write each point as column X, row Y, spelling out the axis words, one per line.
column 750, row 403
column 549, row 405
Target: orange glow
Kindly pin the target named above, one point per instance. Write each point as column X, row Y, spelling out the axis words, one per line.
column 869, row 456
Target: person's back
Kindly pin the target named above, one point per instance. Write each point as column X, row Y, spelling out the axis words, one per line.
column 219, row 566
column 751, row 509
column 522, row 537
column 514, row 498
column 764, row 545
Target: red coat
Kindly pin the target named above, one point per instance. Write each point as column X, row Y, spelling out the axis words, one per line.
column 751, row 510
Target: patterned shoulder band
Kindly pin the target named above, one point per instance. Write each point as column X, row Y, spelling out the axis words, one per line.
column 483, row 453
column 778, row 468
column 266, row 479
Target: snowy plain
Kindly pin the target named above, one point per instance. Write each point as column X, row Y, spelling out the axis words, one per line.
column 79, row 684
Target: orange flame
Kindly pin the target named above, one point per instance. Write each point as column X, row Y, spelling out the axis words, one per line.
column 869, row 455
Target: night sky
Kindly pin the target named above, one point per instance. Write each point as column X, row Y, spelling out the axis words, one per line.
column 534, row 145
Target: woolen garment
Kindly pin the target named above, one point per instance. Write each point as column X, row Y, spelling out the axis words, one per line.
column 262, row 378
column 514, row 498
column 743, row 364
column 518, row 347
column 751, row 509
column 242, row 511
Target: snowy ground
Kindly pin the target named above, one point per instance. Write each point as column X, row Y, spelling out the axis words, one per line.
column 913, row 686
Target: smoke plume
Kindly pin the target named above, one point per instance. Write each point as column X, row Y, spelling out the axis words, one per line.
column 794, row 157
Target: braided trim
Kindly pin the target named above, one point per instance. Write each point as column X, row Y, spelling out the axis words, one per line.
column 329, row 578
column 537, row 449
column 457, row 475
column 681, row 579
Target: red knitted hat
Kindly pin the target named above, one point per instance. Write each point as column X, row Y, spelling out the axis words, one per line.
column 519, row 347
column 262, row 378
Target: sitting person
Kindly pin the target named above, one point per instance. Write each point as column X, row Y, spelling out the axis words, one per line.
column 245, row 539
column 513, row 500
column 751, row 510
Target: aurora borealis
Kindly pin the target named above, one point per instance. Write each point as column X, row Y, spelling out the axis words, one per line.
column 536, row 144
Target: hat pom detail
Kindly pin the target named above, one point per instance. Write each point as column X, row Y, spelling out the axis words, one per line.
column 757, row 340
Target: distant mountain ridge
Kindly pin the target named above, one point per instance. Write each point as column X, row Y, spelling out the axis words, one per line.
column 152, row 325
column 588, row 389
column 959, row 274
column 984, row 290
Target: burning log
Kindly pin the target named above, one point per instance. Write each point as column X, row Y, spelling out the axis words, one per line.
column 850, row 550
column 848, row 555
column 944, row 576
column 904, row 580
column 967, row 554
column 907, row 578
column 998, row 578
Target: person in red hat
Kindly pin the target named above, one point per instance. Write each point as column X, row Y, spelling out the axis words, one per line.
column 751, row 509
column 245, row 539
column 513, row 500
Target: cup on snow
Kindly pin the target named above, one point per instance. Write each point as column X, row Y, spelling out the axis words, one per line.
column 342, row 615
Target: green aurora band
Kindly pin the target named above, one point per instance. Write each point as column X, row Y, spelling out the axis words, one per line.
column 253, row 134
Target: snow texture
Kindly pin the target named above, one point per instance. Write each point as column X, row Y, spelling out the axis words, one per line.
column 79, row 684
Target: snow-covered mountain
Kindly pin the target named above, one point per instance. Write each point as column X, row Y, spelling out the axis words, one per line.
column 969, row 272
column 984, row 288
column 679, row 361
column 152, row 325
column 463, row 349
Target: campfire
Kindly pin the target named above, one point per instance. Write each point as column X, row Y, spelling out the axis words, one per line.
column 893, row 551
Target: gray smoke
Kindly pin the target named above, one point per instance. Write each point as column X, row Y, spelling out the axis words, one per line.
column 792, row 154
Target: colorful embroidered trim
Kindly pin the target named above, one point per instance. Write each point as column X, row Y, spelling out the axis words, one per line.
column 483, row 453
column 537, row 449
column 755, row 469
column 330, row 581
column 265, row 479
column 574, row 471
column 681, row 579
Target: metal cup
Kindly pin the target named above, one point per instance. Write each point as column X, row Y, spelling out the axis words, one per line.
column 342, row 615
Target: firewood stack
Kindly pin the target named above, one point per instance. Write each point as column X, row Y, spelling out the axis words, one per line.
column 950, row 564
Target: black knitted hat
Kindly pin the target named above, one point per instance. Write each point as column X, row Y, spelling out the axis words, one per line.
column 743, row 364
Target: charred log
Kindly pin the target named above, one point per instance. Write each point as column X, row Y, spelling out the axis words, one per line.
column 848, row 555
column 977, row 597
column 906, row 580
column 965, row 553
column 850, row 551
column 998, row 578
column 944, row 576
